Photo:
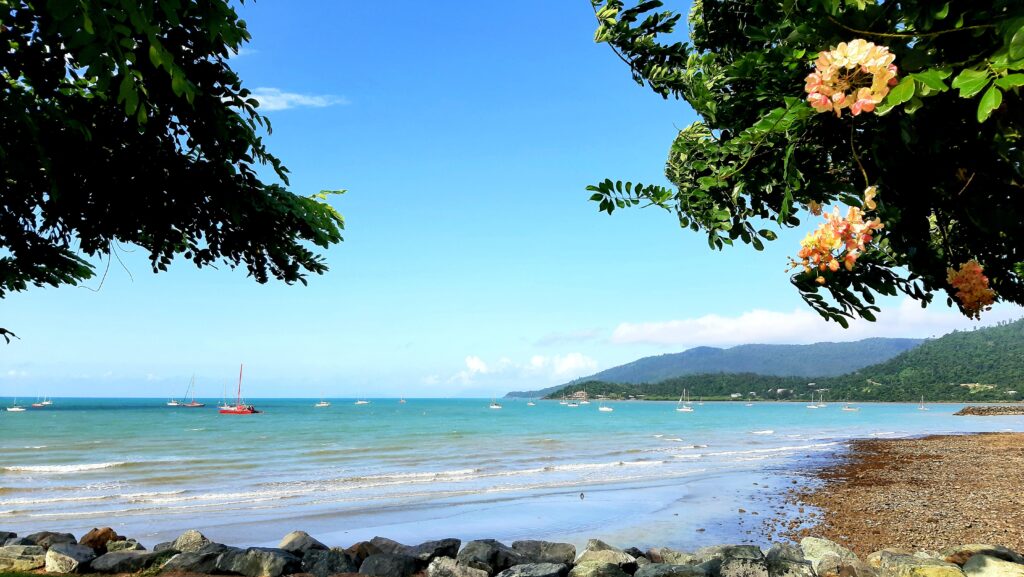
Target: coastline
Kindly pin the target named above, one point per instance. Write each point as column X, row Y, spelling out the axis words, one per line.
column 922, row 493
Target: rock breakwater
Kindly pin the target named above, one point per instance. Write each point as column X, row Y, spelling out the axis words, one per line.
column 301, row 554
column 990, row 410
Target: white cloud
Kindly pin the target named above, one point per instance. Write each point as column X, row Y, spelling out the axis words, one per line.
column 802, row 326
column 559, row 338
column 243, row 51
column 538, row 367
column 275, row 99
column 567, row 366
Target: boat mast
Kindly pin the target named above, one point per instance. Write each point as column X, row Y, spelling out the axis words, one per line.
column 239, row 400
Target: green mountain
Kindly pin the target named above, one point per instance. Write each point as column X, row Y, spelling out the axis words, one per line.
column 771, row 360
column 980, row 365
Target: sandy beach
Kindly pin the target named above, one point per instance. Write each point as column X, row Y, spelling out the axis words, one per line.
column 925, row 493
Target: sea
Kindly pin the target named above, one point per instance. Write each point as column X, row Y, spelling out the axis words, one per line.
column 641, row 475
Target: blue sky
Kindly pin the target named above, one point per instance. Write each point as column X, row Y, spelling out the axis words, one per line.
column 473, row 262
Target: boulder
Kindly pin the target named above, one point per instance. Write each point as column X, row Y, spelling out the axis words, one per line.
column 299, row 543
column 97, row 538
column 257, row 562
column 963, row 553
column 388, row 565
column 980, row 565
column 489, row 555
column 664, row 555
column 634, row 552
column 787, row 561
column 594, row 569
column 743, row 567
column 599, row 552
column 546, row 552
column 126, row 545
column 203, row 563
column 6, row 535
column 127, row 561
column 424, row 553
column 46, row 539
column 898, row 564
column 713, row 558
column 833, row 566
column 448, row 567
column 815, row 549
column 166, row 545
column 536, row 570
column 19, row 541
column 190, row 541
column 22, row 557
column 69, row 558
column 322, row 563
column 361, row 550
column 641, row 561
column 670, row 570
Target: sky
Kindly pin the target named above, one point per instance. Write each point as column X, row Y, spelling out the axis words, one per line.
column 473, row 263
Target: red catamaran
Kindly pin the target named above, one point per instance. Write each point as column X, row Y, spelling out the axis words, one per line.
column 239, row 407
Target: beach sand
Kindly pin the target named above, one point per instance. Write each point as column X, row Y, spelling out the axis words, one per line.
column 926, row 493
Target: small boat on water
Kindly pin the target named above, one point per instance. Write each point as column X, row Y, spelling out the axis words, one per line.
column 240, row 407
column 401, row 401
column 572, row 404
column 322, row 404
column 813, row 405
column 173, row 403
column 847, row 407
column 684, row 406
column 362, row 402
column 47, row 402
column 192, row 389
column 920, row 407
column 15, row 408
column 39, row 404
column 494, row 405
column 603, row 408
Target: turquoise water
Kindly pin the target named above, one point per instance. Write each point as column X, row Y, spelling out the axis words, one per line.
column 425, row 469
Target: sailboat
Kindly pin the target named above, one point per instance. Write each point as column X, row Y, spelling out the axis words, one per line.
column 821, row 401
column 563, row 401
column 322, row 403
column 362, row 402
column 192, row 389
column 920, row 407
column 239, row 408
column 38, row 404
column 813, row 405
column 494, row 405
column 684, row 407
column 174, row 403
column 847, row 407
column 401, row 401
column 224, row 399
column 15, row 408
column 47, row 402
column 700, row 401
column 530, row 403
column 586, row 399
column 604, row 409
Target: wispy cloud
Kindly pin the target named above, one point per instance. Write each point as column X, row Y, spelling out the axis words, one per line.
column 243, row 51
column 271, row 99
column 537, row 368
column 801, row 326
column 561, row 338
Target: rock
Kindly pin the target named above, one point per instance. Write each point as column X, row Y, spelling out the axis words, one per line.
column 164, row 546
column 127, row 561
column 6, row 535
column 447, row 567
column 19, row 541
column 833, row 566
column 489, row 555
column 203, row 563
column 743, row 568
column 713, row 558
column 190, row 541
column 897, row 564
column 361, row 550
column 671, row 556
column 961, row 554
column 69, row 558
column 546, row 552
column 788, row 561
column 815, row 549
column 22, row 557
column 980, row 565
column 597, row 570
column 258, row 562
column 599, row 552
column 126, row 545
column 47, row 539
column 98, row 538
column 670, row 570
column 633, row 552
column 388, row 565
column 642, row 561
column 299, row 543
column 536, row 570
column 330, row 562
column 424, row 552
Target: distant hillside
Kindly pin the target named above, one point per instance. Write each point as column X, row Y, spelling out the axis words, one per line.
column 816, row 360
column 981, row 365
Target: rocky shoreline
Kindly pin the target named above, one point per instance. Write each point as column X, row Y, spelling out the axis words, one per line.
column 990, row 410
column 104, row 551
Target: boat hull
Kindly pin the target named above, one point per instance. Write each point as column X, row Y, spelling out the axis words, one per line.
column 238, row 410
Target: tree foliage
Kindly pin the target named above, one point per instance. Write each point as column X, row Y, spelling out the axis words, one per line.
column 122, row 122
column 943, row 148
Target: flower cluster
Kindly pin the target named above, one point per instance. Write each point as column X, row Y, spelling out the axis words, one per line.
column 855, row 75
column 839, row 241
column 972, row 288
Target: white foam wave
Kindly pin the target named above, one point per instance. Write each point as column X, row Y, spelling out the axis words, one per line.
column 764, row 432
column 63, row 468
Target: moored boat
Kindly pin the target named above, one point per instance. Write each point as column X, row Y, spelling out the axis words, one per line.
column 192, row 389
column 240, row 407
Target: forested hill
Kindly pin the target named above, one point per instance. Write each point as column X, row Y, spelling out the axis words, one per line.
column 981, row 365
column 770, row 360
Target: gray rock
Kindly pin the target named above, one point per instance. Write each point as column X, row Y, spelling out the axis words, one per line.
column 19, row 541
column 713, row 558
column 164, row 546
column 424, row 552
column 788, row 561
column 388, row 565
column 597, row 570
column 299, row 543
column 330, row 562
column 962, row 553
column 743, row 567
column 599, row 545
column 257, row 562
column 190, row 541
column 489, row 555
column 546, row 552
column 126, row 545
column 448, row 567
column 22, row 557
column 69, row 558
column 670, row 570
column 815, row 549
column 833, row 566
column 536, row 570
column 641, row 561
column 670, row 556
column 127, row 561
column 599, row 552
column 47, row 539
column 6, row 535
column 204, row 563
column 985, row 566
column 898, row 564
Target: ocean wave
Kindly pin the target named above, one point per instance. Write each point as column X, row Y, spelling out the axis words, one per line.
column 63, row 468
column 764, row 432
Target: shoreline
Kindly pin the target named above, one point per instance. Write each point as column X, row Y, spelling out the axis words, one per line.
column 920, row 493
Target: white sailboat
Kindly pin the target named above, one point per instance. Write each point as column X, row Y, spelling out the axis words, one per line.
column 921, row 407
column 362, row 402
column 601, row 407
column 821, row 401
column 530, row 403
column 322, row 403
column 47, row 402
column 494, row 405
column 847, row 407
column 684, row 407
column 813, row 405
column 15, row 408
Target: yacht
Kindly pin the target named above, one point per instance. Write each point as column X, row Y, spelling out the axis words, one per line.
column 684, row 407
column 494, row 405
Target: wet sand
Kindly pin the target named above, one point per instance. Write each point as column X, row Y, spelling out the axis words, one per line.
column 926, row 493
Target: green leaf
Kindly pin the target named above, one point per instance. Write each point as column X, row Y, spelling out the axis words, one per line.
column 1010, row 81
column 970, row 82
column 903, row 91
column 1017, row 44
column 990, row 101
column 933, row 79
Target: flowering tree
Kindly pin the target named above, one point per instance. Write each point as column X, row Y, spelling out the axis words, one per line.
column 910, row 114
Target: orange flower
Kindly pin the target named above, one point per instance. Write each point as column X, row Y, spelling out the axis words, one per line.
column 855, row 75
column 839, row 241
column 972, row 287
